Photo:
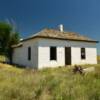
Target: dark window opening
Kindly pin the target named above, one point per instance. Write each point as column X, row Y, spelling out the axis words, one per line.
column 83, row 53
column 29, row 53
column 53, row 53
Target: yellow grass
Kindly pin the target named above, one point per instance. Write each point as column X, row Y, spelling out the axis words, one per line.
column 48, row 84
column 4, row 65
column 98, row 58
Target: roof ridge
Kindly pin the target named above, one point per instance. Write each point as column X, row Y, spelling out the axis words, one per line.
column 53, row 33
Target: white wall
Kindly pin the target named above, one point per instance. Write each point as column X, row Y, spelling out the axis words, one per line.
column 44, row 57
column 20, row 55
column 91, row 56
column 40, row 53
column 44, row 52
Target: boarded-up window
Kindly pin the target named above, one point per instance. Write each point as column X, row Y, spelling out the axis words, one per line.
column 53, row 53
column 83, row 53
column 29, row 53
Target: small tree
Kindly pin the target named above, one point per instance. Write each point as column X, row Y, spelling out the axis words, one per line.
column 8, row 37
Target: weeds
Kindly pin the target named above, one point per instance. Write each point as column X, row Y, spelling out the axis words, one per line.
column 48, row 84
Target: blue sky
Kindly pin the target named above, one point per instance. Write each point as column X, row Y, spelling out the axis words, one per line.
column 30, row 16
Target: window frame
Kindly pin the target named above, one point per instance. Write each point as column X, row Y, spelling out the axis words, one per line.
column 83, row 53
column 29, row 53
column 53, row 53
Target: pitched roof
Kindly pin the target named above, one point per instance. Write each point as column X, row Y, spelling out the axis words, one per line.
column 56, row 34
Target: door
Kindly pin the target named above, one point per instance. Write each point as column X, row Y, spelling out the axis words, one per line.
column 67, row 55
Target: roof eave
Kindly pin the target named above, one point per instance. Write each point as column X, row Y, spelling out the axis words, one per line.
column 17, row 45
column 93, row 41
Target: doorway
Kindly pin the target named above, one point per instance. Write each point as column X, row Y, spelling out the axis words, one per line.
column 67, row 55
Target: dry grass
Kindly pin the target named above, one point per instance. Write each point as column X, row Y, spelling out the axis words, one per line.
column 2, row 58
column 4, row 65
column 98, row 58
column 48, row 84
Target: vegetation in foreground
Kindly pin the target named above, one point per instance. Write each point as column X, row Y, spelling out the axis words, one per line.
column 48, row 84
column 98, row 58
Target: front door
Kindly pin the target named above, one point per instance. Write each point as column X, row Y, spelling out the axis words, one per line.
column 67, row 55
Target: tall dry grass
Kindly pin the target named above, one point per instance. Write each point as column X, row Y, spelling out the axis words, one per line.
column 98, row 58
column 48, row 84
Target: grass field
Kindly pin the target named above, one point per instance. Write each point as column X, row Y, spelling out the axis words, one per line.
column 2, row 58
column 98, row 58
column 48, row 84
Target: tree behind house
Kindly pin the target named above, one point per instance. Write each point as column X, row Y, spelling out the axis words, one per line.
column 8, row 37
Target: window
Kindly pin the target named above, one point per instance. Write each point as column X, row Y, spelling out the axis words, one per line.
column 53, row 53
column 29, row 53
column 83, row 54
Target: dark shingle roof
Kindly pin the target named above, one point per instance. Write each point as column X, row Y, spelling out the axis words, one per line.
column 56, row 34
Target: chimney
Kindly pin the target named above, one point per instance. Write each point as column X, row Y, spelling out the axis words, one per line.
column 21, row 39
column 61, row 28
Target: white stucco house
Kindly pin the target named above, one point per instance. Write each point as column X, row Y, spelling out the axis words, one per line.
column 53, row 48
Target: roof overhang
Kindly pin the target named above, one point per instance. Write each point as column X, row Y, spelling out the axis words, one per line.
column 17, row 45
column 92, row 41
